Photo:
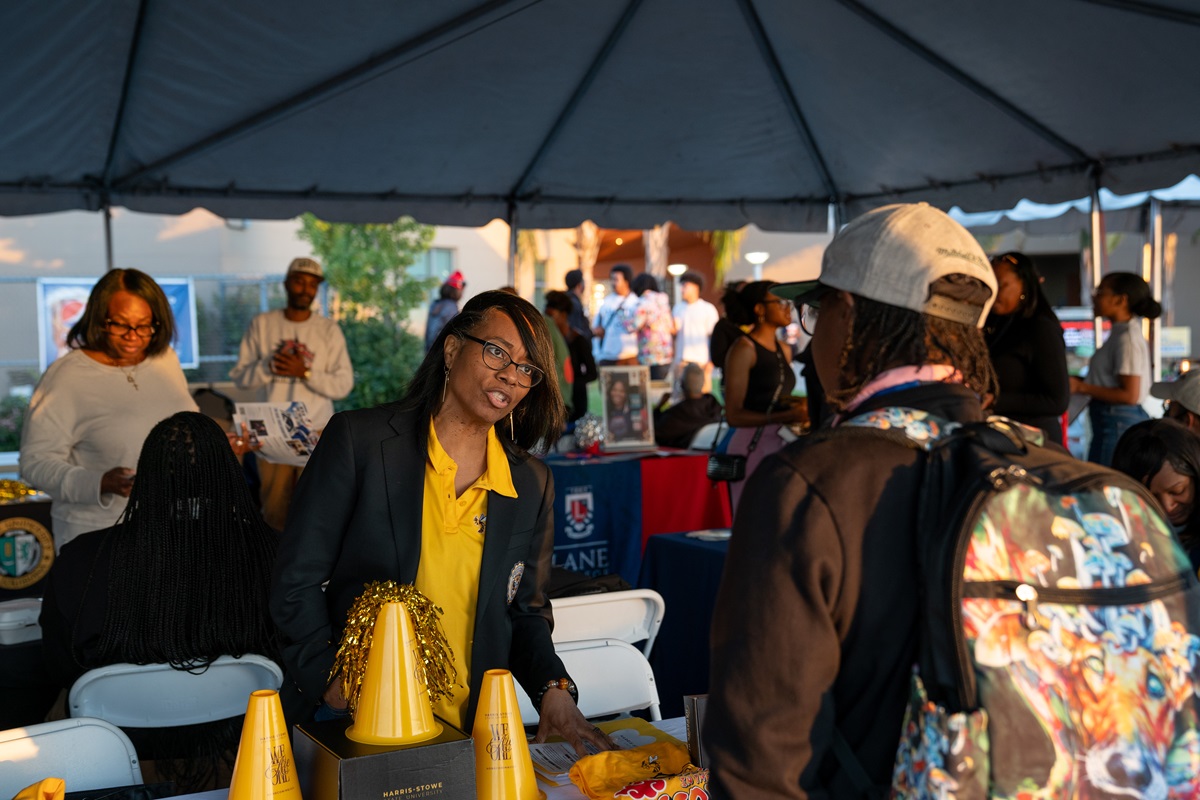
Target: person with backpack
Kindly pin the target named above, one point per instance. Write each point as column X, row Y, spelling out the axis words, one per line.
column 921, row 603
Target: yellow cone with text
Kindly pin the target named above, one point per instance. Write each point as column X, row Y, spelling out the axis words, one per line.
column 503, row 769
column 393, row 705
column 265, row 769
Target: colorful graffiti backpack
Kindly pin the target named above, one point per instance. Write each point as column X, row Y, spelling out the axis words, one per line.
column 1059, row 646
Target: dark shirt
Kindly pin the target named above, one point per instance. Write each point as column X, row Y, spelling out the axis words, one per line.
column 771, row 371
column 1030, row 360
column 676, row 426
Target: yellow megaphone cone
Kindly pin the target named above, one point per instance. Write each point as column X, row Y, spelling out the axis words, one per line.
column 393, row 705
column 503, row 769
column 265, row 769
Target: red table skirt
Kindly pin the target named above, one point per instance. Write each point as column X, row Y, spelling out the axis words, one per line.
column 677, row 496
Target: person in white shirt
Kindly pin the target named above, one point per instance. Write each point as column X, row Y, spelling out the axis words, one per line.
column 694, row 323
column 94, row 406
column 293, row 354
column 616, row 321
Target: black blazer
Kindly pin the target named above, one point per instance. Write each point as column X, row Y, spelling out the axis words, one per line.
column 356, row 517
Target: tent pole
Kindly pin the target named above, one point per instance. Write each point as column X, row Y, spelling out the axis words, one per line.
column 512, row 245
column 1097, row 256
column 1156, row 285
column 108, row 244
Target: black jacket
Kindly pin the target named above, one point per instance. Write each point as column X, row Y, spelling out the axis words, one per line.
column 1030, row 360
column 356, row 517
column 815, row 618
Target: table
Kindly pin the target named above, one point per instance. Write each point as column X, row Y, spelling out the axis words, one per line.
column 686, row 572
column 609, row 506
column 675, row 727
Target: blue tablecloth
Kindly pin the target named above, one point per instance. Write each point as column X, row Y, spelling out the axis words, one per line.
column 598, row 515
column 686, row 572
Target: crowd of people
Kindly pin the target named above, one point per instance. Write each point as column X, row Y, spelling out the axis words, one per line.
column 813, row 640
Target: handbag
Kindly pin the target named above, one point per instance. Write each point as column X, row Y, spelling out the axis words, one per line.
column 731, row 467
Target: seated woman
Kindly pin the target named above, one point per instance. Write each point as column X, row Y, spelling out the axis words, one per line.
column 1164, row 456
column 440, row 491
column 182, row 578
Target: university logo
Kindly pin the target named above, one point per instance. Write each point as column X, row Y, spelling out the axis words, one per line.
column 26, row 552
column 281, row 766
column 580, row 513
column 500, row 747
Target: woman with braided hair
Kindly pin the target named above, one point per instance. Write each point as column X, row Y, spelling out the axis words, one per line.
column 182, row 578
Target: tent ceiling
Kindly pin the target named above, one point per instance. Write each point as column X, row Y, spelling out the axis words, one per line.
column 713, row 114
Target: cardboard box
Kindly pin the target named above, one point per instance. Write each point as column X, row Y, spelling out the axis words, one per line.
column 694, row 706
column 331, row 766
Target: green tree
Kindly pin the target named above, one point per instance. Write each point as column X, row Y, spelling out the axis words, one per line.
column 367, row 265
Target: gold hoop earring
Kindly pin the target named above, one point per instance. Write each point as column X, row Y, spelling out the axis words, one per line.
column 446, row 384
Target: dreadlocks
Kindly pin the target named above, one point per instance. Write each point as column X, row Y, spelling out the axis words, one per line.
column 886, row 336
column 191, row 556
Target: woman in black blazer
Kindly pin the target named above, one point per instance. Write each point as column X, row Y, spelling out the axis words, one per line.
column 357, row 512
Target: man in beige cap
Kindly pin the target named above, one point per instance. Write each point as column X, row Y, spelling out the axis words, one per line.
column 1182, row 399
column 814, row 636
column 293, row 354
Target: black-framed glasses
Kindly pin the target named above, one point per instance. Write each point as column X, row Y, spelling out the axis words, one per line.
column 497, row 358
column 808, row 317
column 121, row 329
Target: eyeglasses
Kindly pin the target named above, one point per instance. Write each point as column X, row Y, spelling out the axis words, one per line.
column 121, row 329
column 497, row 358
column 808, row 317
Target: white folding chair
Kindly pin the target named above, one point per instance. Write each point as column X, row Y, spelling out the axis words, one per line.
column 705, row 438
column 631, row 616
column 157, row 696
column 612, row 678
column 86, row 753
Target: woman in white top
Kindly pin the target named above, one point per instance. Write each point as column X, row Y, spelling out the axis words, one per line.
column 1118, row 377
column 93, row 407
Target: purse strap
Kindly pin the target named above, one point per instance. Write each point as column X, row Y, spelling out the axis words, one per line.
column 774, row 399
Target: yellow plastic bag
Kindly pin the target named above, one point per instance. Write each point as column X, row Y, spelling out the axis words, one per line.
column 602, row 775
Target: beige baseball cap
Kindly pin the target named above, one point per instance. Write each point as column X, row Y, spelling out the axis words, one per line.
column 893, row 254
column 306, row 265
column 1185, row 390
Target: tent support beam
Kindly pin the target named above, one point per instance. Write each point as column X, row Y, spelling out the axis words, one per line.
column 108, row 238
column 1097, row 254
column 576, row 98
column 1156, row 285
column 512, row 244
column 771, row 58
column 119, row 120
column 479, row 16
column 944, row 66
column 1150, row 10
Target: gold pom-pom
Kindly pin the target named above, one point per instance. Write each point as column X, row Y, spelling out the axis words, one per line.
column 434, row 650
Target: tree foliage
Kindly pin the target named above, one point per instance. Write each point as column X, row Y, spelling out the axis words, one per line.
column 368, row 267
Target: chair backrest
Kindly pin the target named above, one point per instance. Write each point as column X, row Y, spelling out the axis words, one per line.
column 86, row 753
column 157, row 696
column 705, row 437
column 630, row 616
column 612, row 678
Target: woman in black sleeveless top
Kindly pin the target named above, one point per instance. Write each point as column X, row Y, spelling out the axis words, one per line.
column 758, row 377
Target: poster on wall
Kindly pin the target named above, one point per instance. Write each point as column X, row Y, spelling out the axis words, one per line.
column 62, row 300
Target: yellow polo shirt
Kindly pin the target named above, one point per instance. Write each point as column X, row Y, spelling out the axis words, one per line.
column 452, row 531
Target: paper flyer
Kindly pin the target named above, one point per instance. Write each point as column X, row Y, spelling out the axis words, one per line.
column 282, row 430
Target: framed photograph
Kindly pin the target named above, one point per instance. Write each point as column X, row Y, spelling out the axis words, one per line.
column 62, row 301
column 625, row 407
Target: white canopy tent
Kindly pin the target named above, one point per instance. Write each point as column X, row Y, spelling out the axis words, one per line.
column 710, row 113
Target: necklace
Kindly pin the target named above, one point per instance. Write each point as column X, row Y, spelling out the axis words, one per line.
column 130, row 375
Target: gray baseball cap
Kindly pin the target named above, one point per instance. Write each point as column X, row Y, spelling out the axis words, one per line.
column 1185, row 390
column 306, row 265
column 893, row 254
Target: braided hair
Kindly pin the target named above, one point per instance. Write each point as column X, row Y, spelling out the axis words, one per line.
column 190, row 561
column 886, row 336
